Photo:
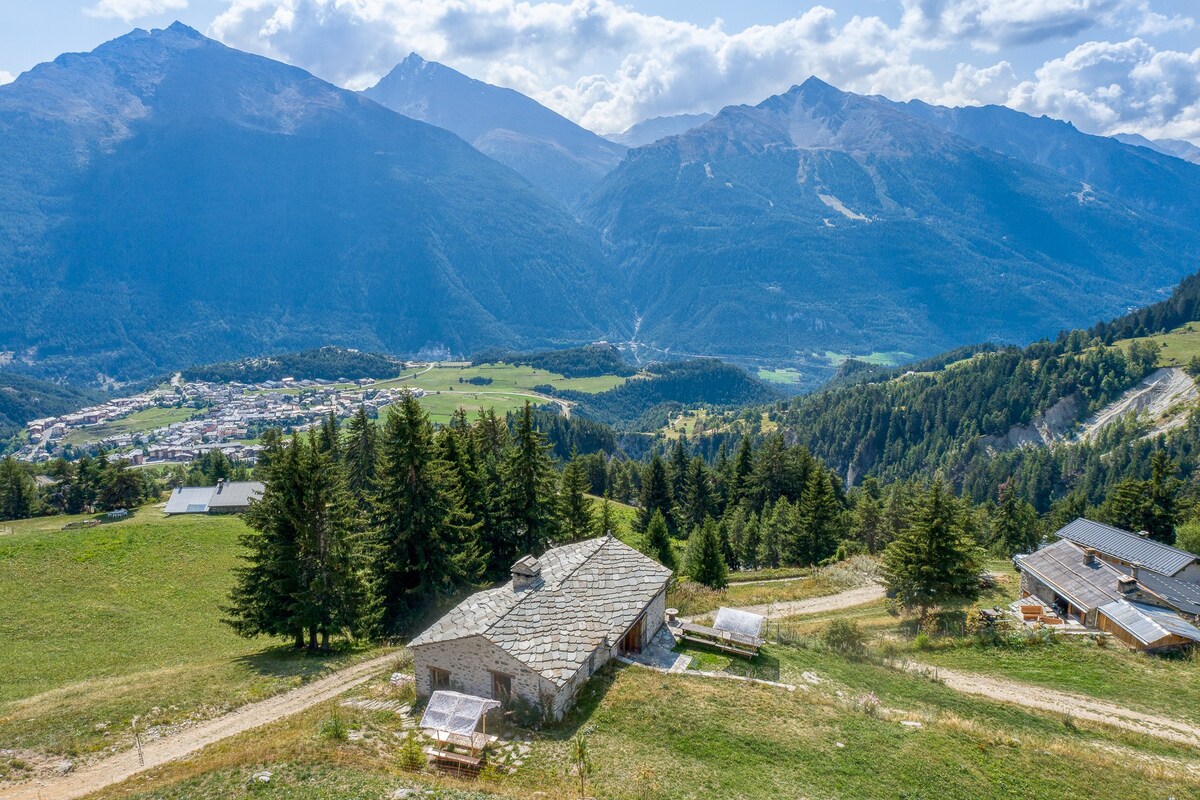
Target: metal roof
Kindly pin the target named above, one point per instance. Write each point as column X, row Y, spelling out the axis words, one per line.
column 235, row 494
column 1149, row 624
column 1063, row 567
column 1126, row 546
column 1183, row 596
column 743, row 622
column 589, row 594
column 189, row 500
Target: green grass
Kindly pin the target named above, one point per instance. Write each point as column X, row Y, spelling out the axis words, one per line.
column 441, row 407
column 138, row 422
column 1175, row 348
column 786, row 376
column 888, row 359
column 103, row 624
column 653, row 736
column 504, row 376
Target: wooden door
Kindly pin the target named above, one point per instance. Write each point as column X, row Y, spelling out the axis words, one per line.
column 631, row 642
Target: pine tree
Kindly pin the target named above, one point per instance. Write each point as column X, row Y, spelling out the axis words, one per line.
column 705, row 563
column 677, row 469
column 426, row 544
column 528, row 507
column 932, row 563
column 575, row 509
column 18, row 493
column 658, row 538
column 262, row 602
column 1014, row 524
column 656, row 494
column 1164, row 489
column 698, row 501
column 361, row 456
column 742, row 472
column 1129, row 505
column 815, row 536
column 868, row 525
column 773, row 528
column 607, row 524
column 329, row 441
column 751, row 538
column 120, row 486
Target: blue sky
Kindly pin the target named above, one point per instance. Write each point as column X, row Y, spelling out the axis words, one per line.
column 1106, row 65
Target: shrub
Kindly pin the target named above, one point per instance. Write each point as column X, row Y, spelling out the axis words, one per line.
column 846, row 638
column 333, row 727
column 922, row 641
column 412, row 757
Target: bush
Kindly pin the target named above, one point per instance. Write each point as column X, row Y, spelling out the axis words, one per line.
column 333, row 727
column 412, row 757
column 846, row 638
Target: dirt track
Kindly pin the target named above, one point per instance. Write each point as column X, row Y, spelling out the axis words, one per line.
column 117, row 768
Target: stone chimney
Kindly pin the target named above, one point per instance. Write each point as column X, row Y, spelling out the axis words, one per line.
column 1127, row 584
column 526, row 573
column 1143, row 534
column 1089, row 557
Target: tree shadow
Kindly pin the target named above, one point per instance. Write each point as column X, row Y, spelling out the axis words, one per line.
column 286, row 661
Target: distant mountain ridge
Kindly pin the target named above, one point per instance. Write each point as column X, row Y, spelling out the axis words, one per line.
column 166, row 200
column 651, row 130
column 546, row 148
column 821, row 220
column 1171, row 147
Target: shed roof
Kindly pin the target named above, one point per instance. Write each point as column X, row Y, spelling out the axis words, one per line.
column 189, row 500
column 454, row 712
column 1126, row 546
column 1063, row 567
column 235, row 494
column 588, row 595
column 1149, row 624
column 737, row 621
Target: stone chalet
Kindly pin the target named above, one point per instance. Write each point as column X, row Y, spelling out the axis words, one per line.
column 542, row 635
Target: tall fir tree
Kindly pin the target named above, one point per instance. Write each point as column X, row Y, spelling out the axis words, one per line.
column 698, row 501
column 656, row 494
column 361, row 457
column 677, row 468
column 18, row 493
column 867, row 523
column 815, row 537
column 329, row 440
column 705, row 562
column 1014, row 523
column 933, row 563
column 575, row 509
column 529, row 510
column 658, row 539
column 427, row 545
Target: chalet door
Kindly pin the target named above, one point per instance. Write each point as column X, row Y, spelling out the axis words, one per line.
column 631, row 642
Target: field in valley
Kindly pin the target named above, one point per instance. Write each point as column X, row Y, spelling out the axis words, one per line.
column 1175, row 348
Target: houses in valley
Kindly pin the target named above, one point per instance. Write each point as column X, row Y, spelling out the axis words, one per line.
column 540, row 636
column 1143, row 592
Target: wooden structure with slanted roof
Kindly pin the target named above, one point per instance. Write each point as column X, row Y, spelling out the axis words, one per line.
column 733, row 631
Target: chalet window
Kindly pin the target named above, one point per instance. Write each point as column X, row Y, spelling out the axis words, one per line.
column 501, row 686
column 439, row 678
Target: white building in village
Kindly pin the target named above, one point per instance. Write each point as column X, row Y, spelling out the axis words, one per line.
column 540, row 636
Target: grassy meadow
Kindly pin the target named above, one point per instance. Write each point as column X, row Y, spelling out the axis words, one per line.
column 1175, row 348
column 122, row 620
column 138, row 422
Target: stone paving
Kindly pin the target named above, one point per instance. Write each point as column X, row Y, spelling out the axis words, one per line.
column 660, row 655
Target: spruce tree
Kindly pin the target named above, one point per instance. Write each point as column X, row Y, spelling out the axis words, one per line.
column 656, row 494
column 742, row 473
column 1014, row 523
column 528, row 507
column 933, row 563
column 705, row 562
column 426, row 544
column 18, row 492
column 677, row 469
column 361, row 456
column 658, row 539
column 575, row 509
column 1164, row 490
column 698, row 500
column 815, row 536
column 774, row 528
column 867, row 525
column 329, row 441
column 751, row 539
column 607, row 524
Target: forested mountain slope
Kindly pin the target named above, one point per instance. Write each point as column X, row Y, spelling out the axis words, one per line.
column 820, row 221
column 166, row 200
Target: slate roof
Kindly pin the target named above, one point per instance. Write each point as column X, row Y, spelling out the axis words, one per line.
column 235, row 494
column 1149, row 624
column 1126, row 546
column 1183, row 596
column 589, row 594
column 1062, row 566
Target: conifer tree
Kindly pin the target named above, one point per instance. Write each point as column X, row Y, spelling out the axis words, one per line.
column 698, row 501
column 705, row 563
column 575, row 509
column 774, row 528
column 426, row 544
column 868, row 526
column 329, row 441
column 933, row 563
column 658, row 538
column 1164, row 490
column 1014, row 524
column 677, row 468
column 530, row 515
column 18, row 493
column 656, row 494
column 607, row 524
column 742, row 472
column 815, row 536
column 751, row 538
column 361, row 456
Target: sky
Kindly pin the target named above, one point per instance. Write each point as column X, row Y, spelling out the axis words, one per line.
column 1108, row 66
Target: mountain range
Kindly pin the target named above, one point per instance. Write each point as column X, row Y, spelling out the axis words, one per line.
column 549, row 150
column 651, row 130
column 168, row 201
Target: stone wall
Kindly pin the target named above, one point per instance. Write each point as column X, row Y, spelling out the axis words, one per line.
column 470, row 663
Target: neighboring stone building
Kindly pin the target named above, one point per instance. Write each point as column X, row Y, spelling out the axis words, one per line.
column 540, row 636
column 1124, row 550
column 227, row 497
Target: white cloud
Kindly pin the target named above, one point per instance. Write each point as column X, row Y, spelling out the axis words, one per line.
column 6, row 77
column 607, row 65
column 130, row 10
column 1107, row 87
